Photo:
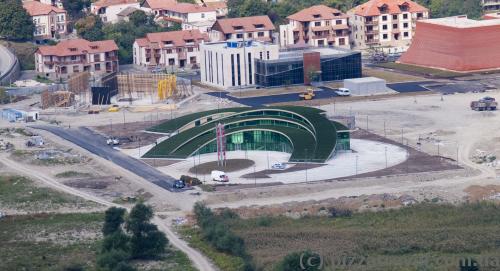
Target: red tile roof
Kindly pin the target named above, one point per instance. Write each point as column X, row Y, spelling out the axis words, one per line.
column 247, row 24
column 178, row 38
column 316, row 13
column 78, row 47
column 216, row 5
column 159, row 4
column 189, row 8
column 372, row 7
column 35, row 8
column 107, row 3
column 455, row 48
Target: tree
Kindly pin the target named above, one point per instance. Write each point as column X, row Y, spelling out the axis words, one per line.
column 113, row 220
column 147, row 242
column 90, row 28
column 111, row 259
column 138, row 17
column 300, row 261
column 15, row 22
column 75, row 7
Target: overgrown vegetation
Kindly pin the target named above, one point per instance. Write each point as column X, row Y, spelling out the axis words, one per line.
column 420, row 70
column 49, row 241
column 15, row 22
column 130, row 238
column 72, row 174
column 215, row 231
column 391, row 239
column 123, row 33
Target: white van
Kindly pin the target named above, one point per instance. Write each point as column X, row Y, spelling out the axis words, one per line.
column 343, row 92
column 219, row 176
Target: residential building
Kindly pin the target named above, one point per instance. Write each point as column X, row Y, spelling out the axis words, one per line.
column 231, row 64
column 173, row 12
column 490, row 5
column 55, row 3
column 440, row 43
column 108, row 10
column 248, row 28
column 219, row 6
column 50, row 22
column 388, row 24
column 169, row 49
column 76, row 55
column 124, row 15
column 237, row 64
column 316, row 26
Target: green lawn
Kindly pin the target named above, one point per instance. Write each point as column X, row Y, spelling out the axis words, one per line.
column 390, row 240
column 420, row 70
column 21, row 194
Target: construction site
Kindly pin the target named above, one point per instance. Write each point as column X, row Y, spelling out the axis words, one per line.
column 148, row 90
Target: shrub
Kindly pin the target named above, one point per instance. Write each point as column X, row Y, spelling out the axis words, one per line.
column 300, row 261
column 337, row 212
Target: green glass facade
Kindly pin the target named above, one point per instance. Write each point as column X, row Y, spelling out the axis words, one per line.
column 252, row 140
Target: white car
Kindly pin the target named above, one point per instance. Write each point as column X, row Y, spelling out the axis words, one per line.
column 280, row 166
column 219, row 176
column 343, row 92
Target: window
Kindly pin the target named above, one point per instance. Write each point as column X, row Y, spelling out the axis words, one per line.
column 260, row 55
column 384, row 27
column 384, row 18
column 327, row 23
column 73, row 57
column 342, row 41
column 260, row 34
column 394, row 26
column 267, row 54
column 250, row 35
column 316, row 15
column 338, row 22
column 250, row 73
column 97, row 67
column 395, row 17
column 406, row 34
column 317, row 23
column 405, row 16
column 203, row 15
column 97, row 57
column 169, row 51
column 76, row 69
column 232, row 71
column 238, row 65
column 179, row 50
column 192, row 60
column 239, row 36
column 384, row 36
column 259, row 25
column 167, row 43
column 171, row 61
column 190, row 49
column 405, row 25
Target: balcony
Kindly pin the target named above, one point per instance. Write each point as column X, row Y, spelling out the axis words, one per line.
column 371, row 22
column 371, row 32
column 111, row 58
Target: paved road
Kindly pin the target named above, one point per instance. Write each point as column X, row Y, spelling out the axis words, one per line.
column 324, row 93
column 410, row 86
column 96, row 144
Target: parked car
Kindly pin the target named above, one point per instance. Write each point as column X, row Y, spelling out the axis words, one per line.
column 343, row 92
column 219, row 176
column 113, row 141
column 179, row 184
column 280, row 166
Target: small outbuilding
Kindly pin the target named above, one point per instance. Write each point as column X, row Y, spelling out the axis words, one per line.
column 366, row 86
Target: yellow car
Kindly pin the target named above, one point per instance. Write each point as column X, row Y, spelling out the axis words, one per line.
column 114, row 108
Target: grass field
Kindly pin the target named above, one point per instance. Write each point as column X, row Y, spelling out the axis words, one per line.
column 424, row 237
column 21, row 194
column 59, row 241
column 420, row 70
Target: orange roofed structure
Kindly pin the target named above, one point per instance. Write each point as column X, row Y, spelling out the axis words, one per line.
column 456, row 44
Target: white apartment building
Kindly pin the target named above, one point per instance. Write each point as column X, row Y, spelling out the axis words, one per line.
column 76, row 55
column 55, row 3
column 316, row 26
column 249, row 28
column 108, row 10
column 231, row 64
column 169, row 49
column 387, row 24
column 49, row 21
column 491, row 5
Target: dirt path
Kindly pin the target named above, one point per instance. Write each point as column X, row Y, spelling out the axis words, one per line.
column 199, row 260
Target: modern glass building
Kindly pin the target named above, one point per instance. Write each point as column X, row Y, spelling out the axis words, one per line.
column 303, row 132
column 293, row 67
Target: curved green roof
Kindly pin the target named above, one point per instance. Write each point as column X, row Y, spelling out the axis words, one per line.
column 312, row 135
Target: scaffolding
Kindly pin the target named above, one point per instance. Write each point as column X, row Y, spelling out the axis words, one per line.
column 156, row 86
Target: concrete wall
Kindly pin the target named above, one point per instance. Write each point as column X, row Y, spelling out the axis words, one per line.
column 10, row 68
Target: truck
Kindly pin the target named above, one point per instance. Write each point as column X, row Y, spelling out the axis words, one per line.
column 112, row 141
column 308, row 95
column 486, row 103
